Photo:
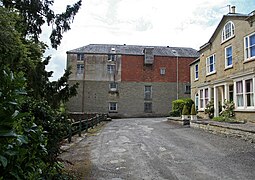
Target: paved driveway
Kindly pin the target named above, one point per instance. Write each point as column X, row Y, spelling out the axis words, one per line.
column 154, row 148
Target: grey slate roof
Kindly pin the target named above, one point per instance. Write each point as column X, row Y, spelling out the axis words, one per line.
column 135, row 50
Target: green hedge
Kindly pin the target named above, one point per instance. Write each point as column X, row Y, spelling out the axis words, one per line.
column 178, row 105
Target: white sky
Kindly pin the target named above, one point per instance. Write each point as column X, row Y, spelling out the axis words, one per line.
column 181, row 23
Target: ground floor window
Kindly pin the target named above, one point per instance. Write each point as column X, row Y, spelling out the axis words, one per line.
column 112, row 106
column 196, row 101
column 148, row 107
column 244, row 93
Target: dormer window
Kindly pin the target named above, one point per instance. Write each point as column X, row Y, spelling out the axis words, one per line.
column 228, row 31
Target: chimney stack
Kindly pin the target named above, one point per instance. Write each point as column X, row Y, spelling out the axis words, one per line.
column 233, row 9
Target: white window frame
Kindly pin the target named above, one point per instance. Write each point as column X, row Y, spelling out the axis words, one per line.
column 228, row 56
column 202, row 98
column 113, row 106
column 113, row 86
column 248, row 47
column 197, row 101
column 228, row 31
column 111, row 68
column 209, row 64
column 162, row 71
column 196, row 71
column 244, row 93
column 80, row 69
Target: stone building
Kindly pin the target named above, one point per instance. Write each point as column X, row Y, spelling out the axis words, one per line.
column 128, row 80
column 225, row 69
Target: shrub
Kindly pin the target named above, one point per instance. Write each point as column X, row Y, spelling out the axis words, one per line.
column 209, row 109
column 193, row 110
column 178, row 105
column 185, row 110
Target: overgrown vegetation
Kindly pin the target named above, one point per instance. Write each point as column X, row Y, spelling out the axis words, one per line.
column 209, row 109
column 193, row 110
column 227, row 114
column 32, row 124
column 177, row 106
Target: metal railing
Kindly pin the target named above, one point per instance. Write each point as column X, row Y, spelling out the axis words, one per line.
column 84, row 124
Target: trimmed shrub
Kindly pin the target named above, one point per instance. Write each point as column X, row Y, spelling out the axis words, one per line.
column 193, row 110
column 177, row 106
column 185, row 110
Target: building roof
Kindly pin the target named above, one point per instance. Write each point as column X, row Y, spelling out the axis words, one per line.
column 228, row 16
column 135, row 50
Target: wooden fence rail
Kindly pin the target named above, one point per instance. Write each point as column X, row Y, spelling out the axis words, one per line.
column 84, row 125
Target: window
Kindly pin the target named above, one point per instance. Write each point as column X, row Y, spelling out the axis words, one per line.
column 80, row 57
column 147, row 92
column 196, row 101
column 113, row 86
column 196, row 72
column 210, row 64
column 231, row 92
column 111, row 57
column 206, row 96
column 249, row 93
column 162, row 71
column 148, row 107
column 228, row 31
column 80, row 68
column 228, row 57
column 249, row 45
column 239, row 93
column 187, row 89
column 201, row 97
column 110, row 68
column 113, row 107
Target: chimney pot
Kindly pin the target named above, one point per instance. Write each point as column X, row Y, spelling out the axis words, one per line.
column 233, row 9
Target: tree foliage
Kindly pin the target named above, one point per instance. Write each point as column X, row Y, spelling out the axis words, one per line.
column 32, row 124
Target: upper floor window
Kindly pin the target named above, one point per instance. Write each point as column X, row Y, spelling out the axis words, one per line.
column 249, row 47
column 80, row 57
column 80, row 68
column 196, row 72
column 210, row 64
column 147, row 92
column 110, row 68
column 111, row 57
column 228, row 31
column 113, row 86
column 162, row 71
column 228, row 57
column 187, row 89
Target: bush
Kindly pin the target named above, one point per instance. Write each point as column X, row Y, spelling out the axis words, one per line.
column 185, row 110
column 209, row 109
column 174, row 114
column 178, row 105
column 193, row 110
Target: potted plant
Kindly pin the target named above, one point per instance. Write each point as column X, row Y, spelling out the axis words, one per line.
column 193, row 113
column 185, row 112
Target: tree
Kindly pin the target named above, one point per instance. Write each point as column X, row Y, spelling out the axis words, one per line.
column 31, row 124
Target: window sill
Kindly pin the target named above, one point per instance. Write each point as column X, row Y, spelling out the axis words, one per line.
column 212, row 73
column 196, row 80
column 228, row 67
column 249, row 59
column 252, row 109
column 226, row 40
column 113, row 111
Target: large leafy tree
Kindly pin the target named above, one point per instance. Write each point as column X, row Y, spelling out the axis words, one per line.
column 31, row 125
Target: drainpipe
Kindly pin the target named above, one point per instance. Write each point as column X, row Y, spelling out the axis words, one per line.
column 177, row 72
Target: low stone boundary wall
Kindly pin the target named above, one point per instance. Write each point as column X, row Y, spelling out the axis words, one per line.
column 248, row 135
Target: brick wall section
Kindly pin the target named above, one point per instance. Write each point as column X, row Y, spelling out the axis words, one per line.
column 134, row 70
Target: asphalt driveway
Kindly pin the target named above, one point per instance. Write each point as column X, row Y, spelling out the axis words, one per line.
column 154, row 148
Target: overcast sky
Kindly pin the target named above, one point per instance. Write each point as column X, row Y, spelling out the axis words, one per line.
column 176, row 23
